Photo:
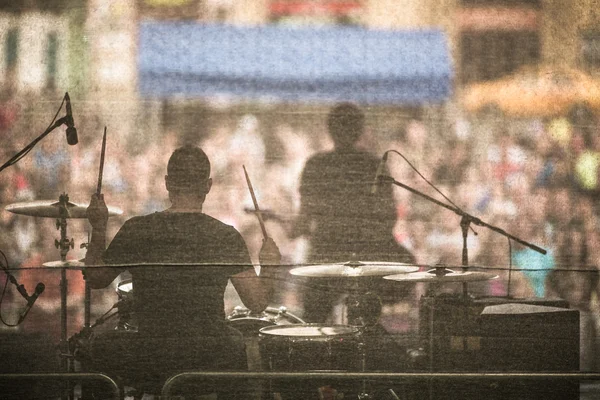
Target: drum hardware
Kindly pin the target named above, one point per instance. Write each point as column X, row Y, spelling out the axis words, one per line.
column 62, row 210
column 250, row 323
column 79, row 343
column 309, row 347
column 363, row 306
column 64, row 245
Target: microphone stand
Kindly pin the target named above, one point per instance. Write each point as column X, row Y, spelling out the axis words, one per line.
column 26, row 149
column 466, row 220
column 20, row 288
column 63, row 245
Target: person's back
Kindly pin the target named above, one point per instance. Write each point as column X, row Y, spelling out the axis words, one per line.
column 347, row 219
column 172, row 296
column 342, row 218
column 179, row 310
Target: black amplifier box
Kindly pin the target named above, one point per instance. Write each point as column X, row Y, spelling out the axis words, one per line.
column 501, row 335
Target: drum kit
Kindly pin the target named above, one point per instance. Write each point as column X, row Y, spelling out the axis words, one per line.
column 285, row 341
column 277, row 340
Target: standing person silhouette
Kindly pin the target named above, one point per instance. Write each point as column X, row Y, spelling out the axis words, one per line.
column 341, row 217
column 179, row 309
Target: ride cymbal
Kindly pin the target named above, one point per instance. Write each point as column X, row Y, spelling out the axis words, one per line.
column 442, row 275
column 354, row 269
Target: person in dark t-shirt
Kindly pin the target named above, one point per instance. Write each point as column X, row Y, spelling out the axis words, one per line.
column 181, row 261
column 341, row 217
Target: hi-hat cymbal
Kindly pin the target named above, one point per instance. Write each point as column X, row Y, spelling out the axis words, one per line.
column 442, row 275
column 354, row 269
column 51, row 209
column 68, row 264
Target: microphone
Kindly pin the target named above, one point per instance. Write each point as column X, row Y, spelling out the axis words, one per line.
column 38, row 290
column 20, row 288
column 379, row 173
column 71, row 131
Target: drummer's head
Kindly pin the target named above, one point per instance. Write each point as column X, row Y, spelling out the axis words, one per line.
column 346, row 123
column 188, row 173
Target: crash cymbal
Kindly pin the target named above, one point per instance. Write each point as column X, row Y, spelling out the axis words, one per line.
column 442, row 275
column 50, row 209
column 68, row 264
column 354, row 269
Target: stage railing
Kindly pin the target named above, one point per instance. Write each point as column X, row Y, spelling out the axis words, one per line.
column 67, row 377
column 371, row 376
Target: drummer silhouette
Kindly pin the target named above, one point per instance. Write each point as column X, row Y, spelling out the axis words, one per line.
column 179, row 310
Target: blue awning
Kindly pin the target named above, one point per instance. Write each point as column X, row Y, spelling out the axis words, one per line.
column 293, row 64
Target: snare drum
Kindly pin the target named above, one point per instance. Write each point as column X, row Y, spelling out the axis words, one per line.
column 127, row 319
column 250, row 323
column 310, row 347
column 125, row 289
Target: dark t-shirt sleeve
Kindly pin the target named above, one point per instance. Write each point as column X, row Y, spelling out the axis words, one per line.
column 236, row 253
column 126, row 245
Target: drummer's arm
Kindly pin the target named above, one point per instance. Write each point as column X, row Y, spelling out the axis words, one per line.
column 98, row 278
column 256, row 291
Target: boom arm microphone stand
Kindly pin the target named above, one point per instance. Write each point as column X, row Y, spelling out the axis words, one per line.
column 64, row 243
column 27, row 149
column 466, row 220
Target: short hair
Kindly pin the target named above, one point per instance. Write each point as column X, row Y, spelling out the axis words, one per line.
column 188, row 169
column 346, row 124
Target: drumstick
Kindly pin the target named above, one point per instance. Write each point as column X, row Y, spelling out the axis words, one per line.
column 99, row 188
column 258, row 214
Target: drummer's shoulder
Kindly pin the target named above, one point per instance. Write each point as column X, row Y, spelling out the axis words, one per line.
column 140, row 222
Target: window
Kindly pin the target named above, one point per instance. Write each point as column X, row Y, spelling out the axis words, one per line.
column 590, row 49
column 324, row 12
column 501, row 3
column 491, row 55
column 11, row 49
column 51, row 60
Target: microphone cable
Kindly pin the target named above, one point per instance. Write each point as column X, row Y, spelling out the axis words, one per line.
column 430, row 184
column 31, row 145
column 5, row 268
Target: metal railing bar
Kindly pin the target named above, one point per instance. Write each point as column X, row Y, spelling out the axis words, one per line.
column 184, row 376
column 65, row 376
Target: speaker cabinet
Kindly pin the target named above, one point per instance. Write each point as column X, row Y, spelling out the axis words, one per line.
column 461, row 334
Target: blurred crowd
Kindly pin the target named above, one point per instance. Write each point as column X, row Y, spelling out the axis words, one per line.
column 536, row 179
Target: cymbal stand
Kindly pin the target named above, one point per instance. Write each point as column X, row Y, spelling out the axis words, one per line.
column 358, row 315
column 362, row 349
column 87, row 301
column 64, row 245
column 432, row 292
